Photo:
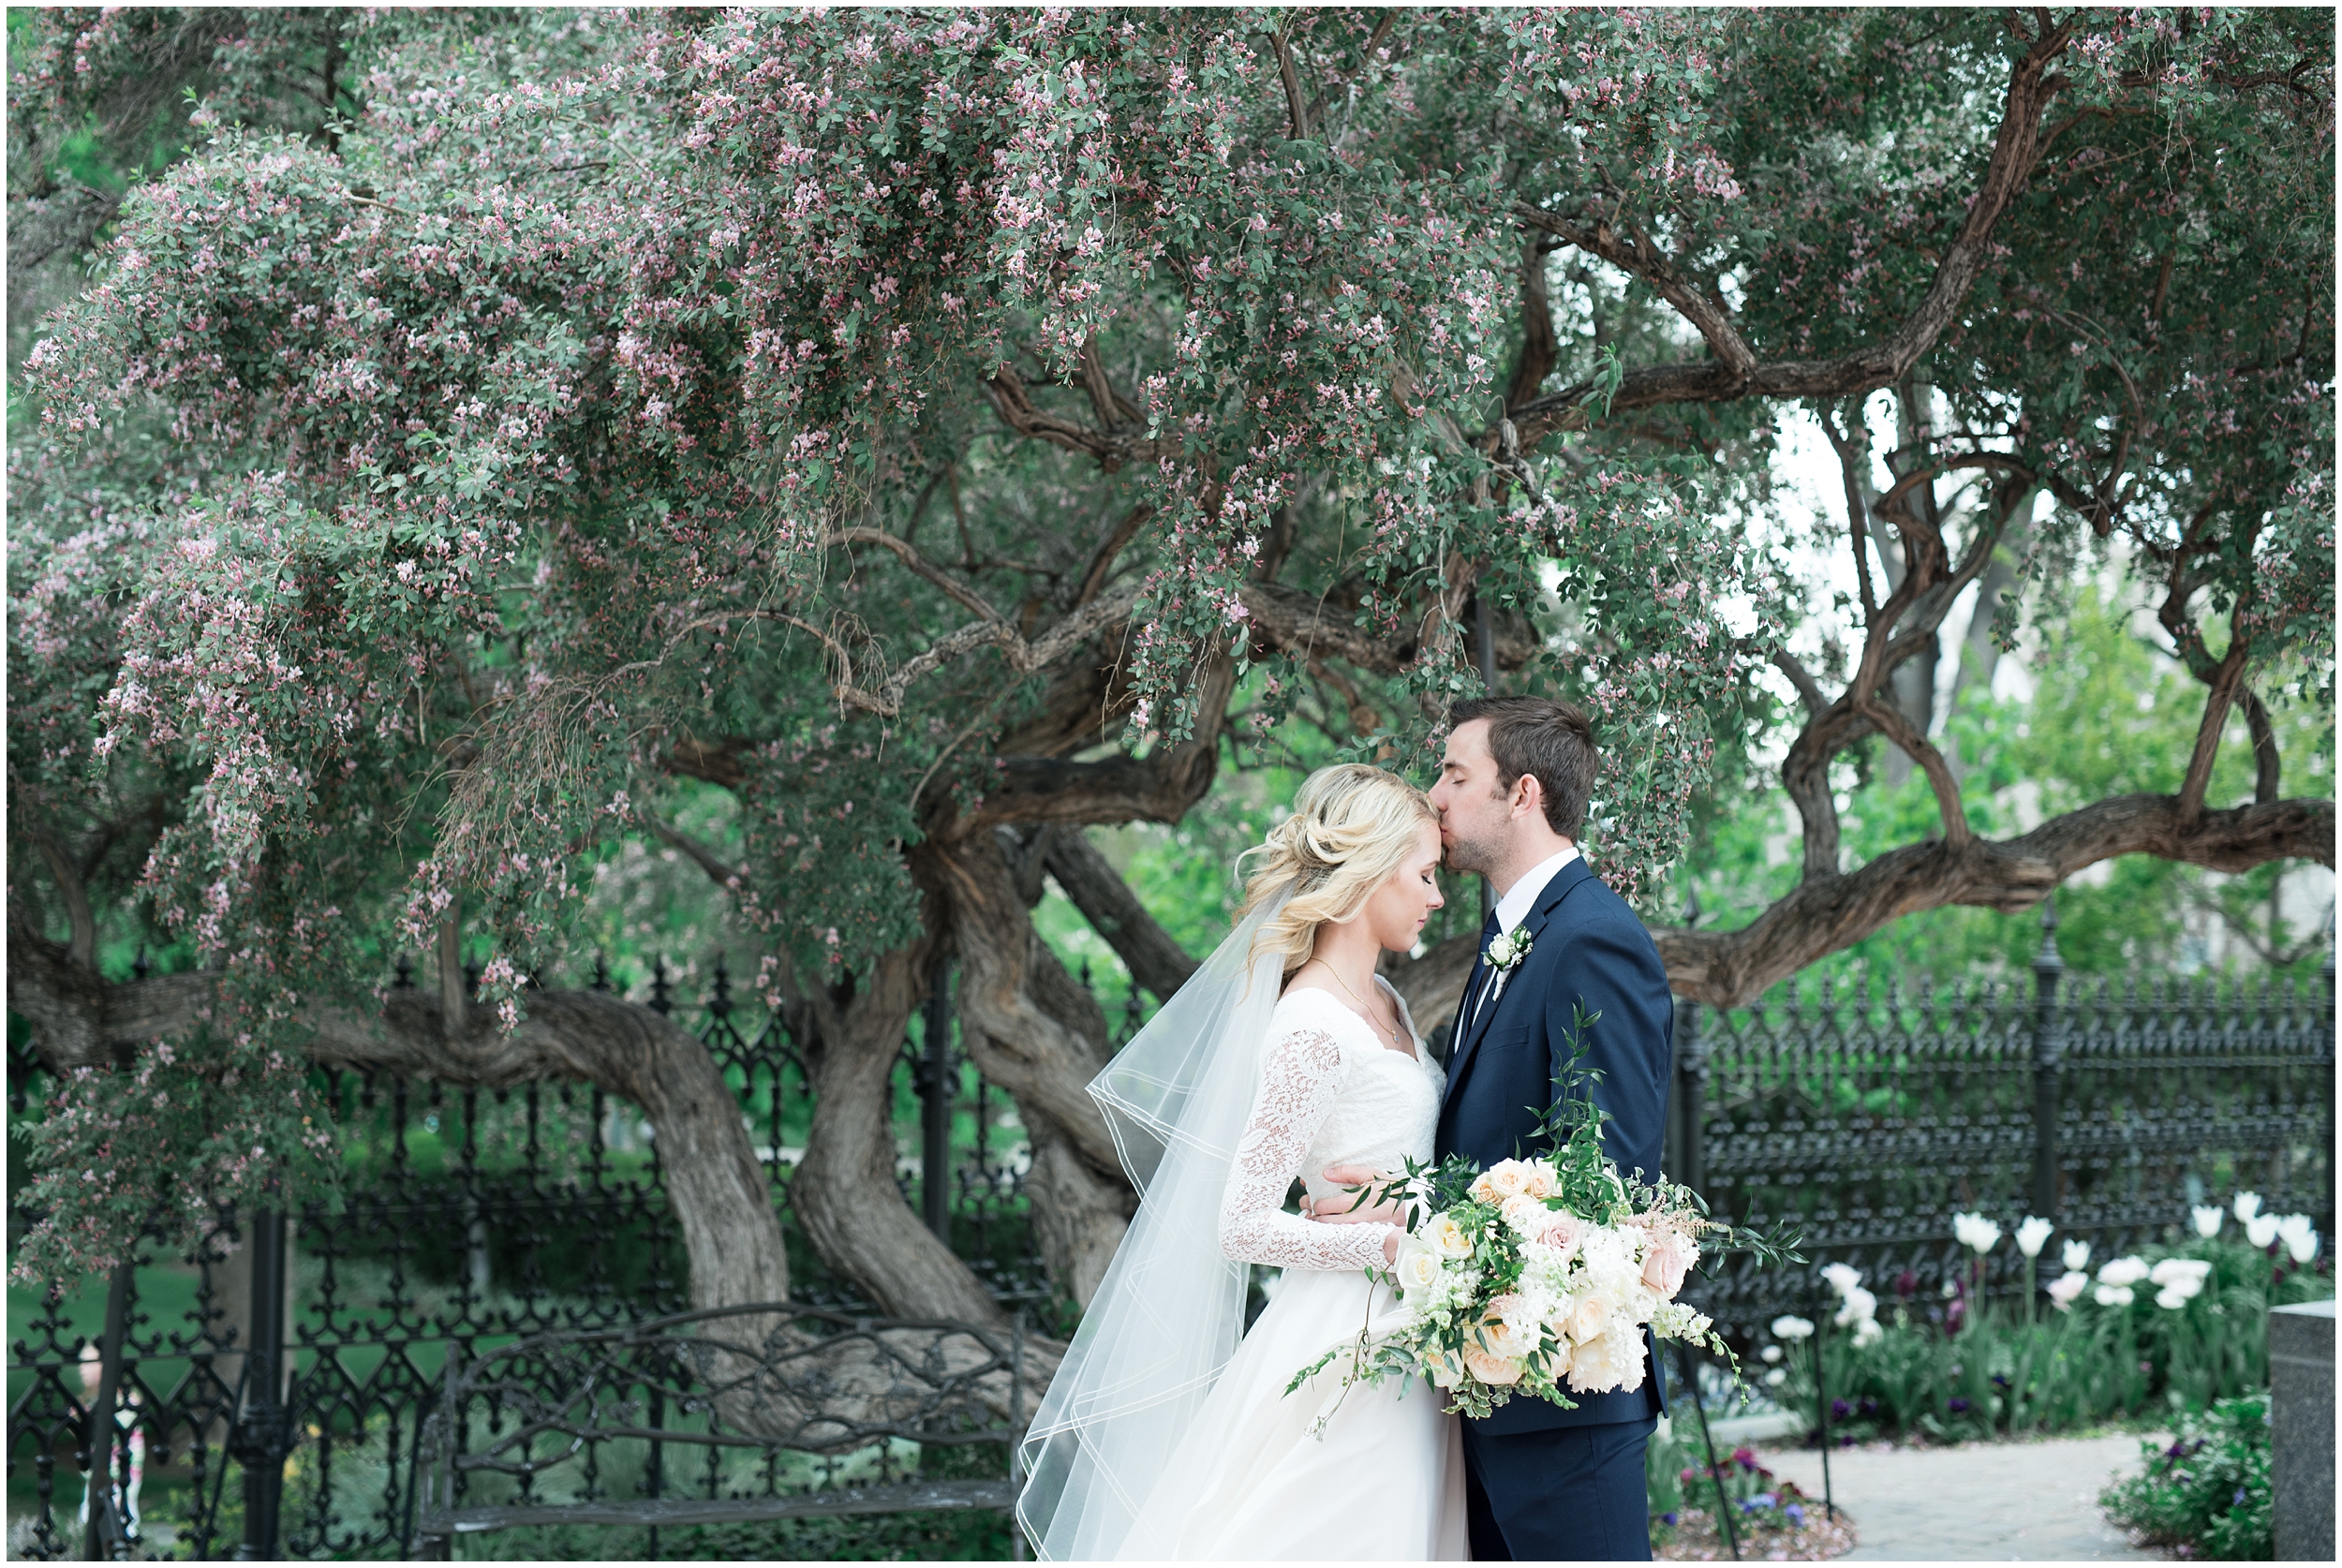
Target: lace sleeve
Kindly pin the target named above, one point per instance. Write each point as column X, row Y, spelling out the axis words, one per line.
column 1298, row 1089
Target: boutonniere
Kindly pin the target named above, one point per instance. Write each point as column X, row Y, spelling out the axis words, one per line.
column 1507, row 950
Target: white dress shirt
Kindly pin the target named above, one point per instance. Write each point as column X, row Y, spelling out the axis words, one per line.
column 1514, row 907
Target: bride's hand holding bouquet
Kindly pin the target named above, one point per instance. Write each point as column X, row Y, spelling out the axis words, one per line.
column 1535, row 1276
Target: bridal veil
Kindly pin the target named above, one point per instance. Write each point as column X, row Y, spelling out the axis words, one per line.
column 1170, row 1310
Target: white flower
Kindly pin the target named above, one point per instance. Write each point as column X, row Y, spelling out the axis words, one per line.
column 2207, row 1217
column 2112, row 1296
column 1771, row 1353
column 1868, row 1331
column 2247, row 1205
column 1526, row 1214
column 2172, row 1270
column 1975, row 1232
column 1861, row 1307
column 1843, row 1277
column 1448, row 1237
column 2068, row 1288
column 2261, row 1229
column 1775, row 1378
column 2123, row 1271
column 1417, row 1268
column 2033, row 1235
column 1507, row 949
column 2075, row 1255
column 2301, row 1241
column 1792, row 1327
column 1609, row 1361
column 2173, row 1297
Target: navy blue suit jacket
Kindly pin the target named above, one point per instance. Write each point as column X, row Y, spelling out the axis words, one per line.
column 1587, row 952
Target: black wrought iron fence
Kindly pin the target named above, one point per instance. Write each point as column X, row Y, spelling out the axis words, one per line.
column 475, row 1220
column 470, row 1220
column 1867, row 1120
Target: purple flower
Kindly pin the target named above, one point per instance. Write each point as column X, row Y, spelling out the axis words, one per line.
column 1959, row 1407
column 1840, row 1410
column 1795, row 1515
column 1668, row 1518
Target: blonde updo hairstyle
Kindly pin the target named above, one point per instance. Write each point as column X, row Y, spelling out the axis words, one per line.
column 1352, row 827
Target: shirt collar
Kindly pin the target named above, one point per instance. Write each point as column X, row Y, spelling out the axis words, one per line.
column 1515, row 906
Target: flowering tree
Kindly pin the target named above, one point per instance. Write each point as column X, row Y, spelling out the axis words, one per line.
column 944, row 431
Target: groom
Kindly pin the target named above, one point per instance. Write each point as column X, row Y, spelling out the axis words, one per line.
column 1543, row 1482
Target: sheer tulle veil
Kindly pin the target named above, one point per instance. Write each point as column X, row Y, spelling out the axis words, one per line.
column 1170, row 1312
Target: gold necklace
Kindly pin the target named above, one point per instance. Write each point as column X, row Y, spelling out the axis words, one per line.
column 1364, row 1010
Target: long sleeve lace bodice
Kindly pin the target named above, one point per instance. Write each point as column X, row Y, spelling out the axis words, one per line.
column 1330, row 1094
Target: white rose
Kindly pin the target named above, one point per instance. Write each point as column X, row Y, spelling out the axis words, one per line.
column 1417, row 1268
column 1447, row 1238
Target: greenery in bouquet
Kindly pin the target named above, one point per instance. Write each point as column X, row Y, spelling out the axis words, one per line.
column 1539, row 1274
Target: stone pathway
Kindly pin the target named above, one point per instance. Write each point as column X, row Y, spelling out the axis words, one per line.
column 1981, row 1502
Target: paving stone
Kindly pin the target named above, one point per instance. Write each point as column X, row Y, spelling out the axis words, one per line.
column 1976, row 1502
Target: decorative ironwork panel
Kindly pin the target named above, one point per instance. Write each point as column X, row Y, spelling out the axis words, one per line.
column 1866, row 1121
column 739, row 1412
column 2175, row 1093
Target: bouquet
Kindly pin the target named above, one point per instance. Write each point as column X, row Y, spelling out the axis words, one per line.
column 1537, row 1276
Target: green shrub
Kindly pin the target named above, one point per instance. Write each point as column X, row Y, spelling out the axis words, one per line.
column 2207, row 1494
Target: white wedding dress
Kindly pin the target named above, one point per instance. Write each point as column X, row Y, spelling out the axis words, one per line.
column 1249, row 1480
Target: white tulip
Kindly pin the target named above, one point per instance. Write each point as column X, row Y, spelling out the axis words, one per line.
column 2068, row 1289
column 2171, row 1271
column 1771, row 1353
column 2247, row 1205
column 1975, row 1232
column 2261, row 1229
column 2123, row 1272
column 1775, row 1378
column 2033, row 1235
column 1867, row 1331
column 2112, row 1296
column 2207, row 1220
column 1843, row 1277
column 2075, row 1255
column 1861, row 1307
column 1792, row 1327
column 2301, row 1241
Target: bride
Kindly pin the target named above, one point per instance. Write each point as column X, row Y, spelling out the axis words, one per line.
column 1167, row 1431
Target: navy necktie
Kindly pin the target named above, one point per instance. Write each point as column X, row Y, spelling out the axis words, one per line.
column 1482, row 972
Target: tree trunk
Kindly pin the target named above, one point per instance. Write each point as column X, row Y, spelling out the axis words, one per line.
column 1032, row 1030
column 715, row 1186
column 844, row 1193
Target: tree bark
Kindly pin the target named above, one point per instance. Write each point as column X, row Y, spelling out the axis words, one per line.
column 1731, row 969
column 1032, row 1030
column 715, row 1186
column 844, row 1191
column 1155, row 960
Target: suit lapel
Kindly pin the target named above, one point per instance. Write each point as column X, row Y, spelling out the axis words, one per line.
column 1567, row 879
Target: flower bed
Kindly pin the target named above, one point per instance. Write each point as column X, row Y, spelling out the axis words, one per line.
column 1772, row 1518
column 2178, row 1327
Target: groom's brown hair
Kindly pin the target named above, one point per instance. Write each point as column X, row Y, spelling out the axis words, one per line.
column 1550, row 741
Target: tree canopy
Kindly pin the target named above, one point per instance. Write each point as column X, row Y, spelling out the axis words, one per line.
column 941, row 432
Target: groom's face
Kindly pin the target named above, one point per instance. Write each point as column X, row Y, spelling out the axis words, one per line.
column 1474, row 812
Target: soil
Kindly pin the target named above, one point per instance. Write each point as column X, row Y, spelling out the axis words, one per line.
column 1695, row 1539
